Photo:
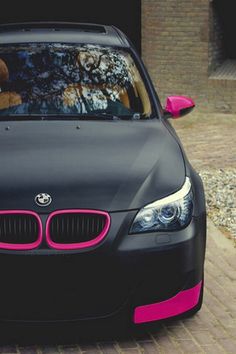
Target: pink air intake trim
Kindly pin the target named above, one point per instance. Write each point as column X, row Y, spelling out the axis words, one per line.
column 185, row 300
column 23, row 246
column 79, row 245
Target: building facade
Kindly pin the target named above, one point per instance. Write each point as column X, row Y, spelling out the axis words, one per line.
column 188, row 49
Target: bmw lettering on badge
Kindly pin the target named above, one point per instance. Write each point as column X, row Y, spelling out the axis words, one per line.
column 43, row 199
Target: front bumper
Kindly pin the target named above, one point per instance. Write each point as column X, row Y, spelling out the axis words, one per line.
column 123, row 274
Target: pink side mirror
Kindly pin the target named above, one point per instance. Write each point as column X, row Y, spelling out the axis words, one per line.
column 178, row 106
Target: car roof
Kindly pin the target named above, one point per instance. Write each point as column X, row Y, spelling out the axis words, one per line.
column 63, row 32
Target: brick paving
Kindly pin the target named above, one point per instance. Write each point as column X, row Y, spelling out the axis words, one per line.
column 209, row 140
column 213, row 329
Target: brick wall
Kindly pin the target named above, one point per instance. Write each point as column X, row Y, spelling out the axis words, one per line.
column 180, row 43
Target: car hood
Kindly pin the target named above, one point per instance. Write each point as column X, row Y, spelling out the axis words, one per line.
column 104, row 165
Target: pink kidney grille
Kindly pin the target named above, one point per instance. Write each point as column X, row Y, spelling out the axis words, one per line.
column 76, row 229
column 20, row 230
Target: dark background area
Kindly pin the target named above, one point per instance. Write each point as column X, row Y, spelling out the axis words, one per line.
column 226, row 10
column 125, row 14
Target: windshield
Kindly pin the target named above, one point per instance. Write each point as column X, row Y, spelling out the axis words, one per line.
column 64, row 80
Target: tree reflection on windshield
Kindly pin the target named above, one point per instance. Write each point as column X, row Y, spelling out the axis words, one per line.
column 49, row 79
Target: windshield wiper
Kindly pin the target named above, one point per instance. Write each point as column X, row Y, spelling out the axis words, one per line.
column 101, row 116
column 80, row 116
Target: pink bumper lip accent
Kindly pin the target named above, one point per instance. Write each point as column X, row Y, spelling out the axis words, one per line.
column 185, row 300
column 79, row 245
column 23, row 246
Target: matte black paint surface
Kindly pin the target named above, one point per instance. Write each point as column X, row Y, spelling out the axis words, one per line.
column 123, row 272
column 118, row 166
column 103, row 165
column 68, row 36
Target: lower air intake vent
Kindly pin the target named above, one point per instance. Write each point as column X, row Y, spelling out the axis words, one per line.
column 20, row 230
column 76, row 229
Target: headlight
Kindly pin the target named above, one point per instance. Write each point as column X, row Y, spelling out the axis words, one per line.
column 171, row 213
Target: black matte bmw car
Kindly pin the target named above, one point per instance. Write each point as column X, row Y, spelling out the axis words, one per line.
column 101, row 212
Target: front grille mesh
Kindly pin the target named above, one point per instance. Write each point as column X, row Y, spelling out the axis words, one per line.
column 76, row 227
column 18, row 228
